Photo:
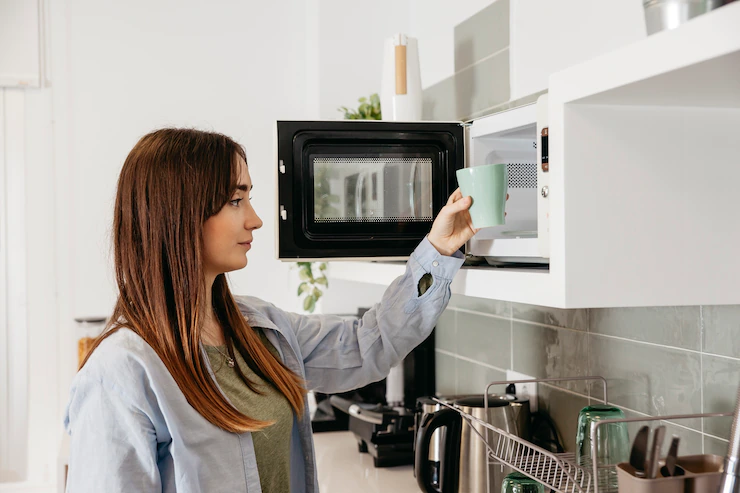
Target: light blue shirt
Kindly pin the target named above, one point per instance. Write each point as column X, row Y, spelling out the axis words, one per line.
column 132, row 430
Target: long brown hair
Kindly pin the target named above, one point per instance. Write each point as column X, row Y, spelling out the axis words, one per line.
column 172, row 181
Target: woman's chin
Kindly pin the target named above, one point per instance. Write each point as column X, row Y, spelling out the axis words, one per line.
column 236, row 265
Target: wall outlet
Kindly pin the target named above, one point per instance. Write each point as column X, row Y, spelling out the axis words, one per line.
column 524, row 390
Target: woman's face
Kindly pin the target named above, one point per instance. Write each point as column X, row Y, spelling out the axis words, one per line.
column 227, row 235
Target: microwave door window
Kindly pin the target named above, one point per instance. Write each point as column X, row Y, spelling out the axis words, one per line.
column 420, row 187
column 372, row 189
column 407, row 187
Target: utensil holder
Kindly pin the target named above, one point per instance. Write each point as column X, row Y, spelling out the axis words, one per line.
column 703, row 474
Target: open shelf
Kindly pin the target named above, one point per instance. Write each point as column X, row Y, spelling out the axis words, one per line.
column 697, row 64
column 533, row 286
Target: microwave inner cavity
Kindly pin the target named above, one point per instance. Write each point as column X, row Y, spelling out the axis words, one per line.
column 372, row 189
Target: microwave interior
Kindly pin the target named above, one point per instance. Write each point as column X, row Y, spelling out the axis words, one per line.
column 362, row 189
column 516, row 240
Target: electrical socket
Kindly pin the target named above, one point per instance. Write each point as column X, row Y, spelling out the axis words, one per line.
column 524, row 390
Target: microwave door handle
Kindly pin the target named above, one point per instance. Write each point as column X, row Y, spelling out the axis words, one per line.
column 412, row 189
column 358, row 194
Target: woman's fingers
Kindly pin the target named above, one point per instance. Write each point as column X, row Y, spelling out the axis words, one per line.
column 462, row 204
column 456, row 195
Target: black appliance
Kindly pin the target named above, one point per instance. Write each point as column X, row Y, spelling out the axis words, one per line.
column 326, row 417
column 387, row 433
column 362, row 189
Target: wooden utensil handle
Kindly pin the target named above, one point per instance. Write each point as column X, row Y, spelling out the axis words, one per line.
column 400, row 69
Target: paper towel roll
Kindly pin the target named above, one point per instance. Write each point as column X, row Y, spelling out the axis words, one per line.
column 394, row 386
column 400, row 94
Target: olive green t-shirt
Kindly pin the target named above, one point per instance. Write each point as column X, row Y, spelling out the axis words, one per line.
column 272, row 444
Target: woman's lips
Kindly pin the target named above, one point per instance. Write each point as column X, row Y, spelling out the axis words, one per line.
column 246, row 244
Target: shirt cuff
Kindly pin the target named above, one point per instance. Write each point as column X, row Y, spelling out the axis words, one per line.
column 430, row 260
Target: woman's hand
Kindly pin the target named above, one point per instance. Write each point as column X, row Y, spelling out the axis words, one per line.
column 452, row 227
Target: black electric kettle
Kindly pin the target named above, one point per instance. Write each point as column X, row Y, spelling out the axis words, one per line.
column 463, row 456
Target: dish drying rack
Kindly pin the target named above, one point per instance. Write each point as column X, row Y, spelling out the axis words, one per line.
column 559, row 472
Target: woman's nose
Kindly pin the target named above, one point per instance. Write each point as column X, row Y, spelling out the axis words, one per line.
column 253, row 220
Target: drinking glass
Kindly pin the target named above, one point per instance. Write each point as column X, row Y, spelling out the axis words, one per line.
column 612, row 442
column 517, row 482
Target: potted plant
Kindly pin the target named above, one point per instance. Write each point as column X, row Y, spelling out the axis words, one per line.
column 313, row 274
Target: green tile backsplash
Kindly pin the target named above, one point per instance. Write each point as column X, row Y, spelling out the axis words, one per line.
column 482, row 35
column 657, row 361
column 722, row 330
column 668, row 326
column 481, row 81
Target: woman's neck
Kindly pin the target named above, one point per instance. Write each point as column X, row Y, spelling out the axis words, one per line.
column 211, row 333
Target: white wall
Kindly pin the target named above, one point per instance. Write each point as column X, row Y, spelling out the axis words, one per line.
column 548, row 36
column 351, row 37
column 136, row 66
column 120, row 70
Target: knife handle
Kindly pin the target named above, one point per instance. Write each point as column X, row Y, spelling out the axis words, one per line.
column 658, row 437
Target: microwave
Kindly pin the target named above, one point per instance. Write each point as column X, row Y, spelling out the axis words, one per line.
column 359, row 189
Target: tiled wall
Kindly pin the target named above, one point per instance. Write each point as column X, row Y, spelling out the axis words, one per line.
column 481, row 82
column 481, row 79
column 657, row 361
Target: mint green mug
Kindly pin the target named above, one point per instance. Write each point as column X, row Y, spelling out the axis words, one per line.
column 487, row 185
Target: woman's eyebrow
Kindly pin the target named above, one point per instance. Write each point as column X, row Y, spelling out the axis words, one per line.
column 245, row 188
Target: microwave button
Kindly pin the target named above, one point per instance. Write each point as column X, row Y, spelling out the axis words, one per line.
column 283, row 213
column 545, row 191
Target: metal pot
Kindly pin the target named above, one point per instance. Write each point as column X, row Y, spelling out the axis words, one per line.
column 669, row 14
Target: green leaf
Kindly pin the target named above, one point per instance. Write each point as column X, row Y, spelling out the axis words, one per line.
column 317, row 293
column 369, row 109
column 305, row 274
column 303, row 287
column 322, row 280
column 322, row 266
column 309, row 304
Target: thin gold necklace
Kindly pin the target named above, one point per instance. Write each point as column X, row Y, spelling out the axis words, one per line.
column 229, row 359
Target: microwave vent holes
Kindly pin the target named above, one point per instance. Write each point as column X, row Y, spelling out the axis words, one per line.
column 522, row 175
column 356, row 160
column 371, row 219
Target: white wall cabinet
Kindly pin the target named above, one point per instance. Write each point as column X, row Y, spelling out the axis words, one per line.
column 643, row 179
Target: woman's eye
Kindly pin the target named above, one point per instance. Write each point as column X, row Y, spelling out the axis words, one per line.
column 235, row 202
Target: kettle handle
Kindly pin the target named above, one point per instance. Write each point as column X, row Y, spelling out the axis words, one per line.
column 449, row 473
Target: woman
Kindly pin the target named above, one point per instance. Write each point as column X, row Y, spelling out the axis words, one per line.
column 191, row 389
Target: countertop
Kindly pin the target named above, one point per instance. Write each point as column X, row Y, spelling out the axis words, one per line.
column 342, row 468
column 340, row 465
